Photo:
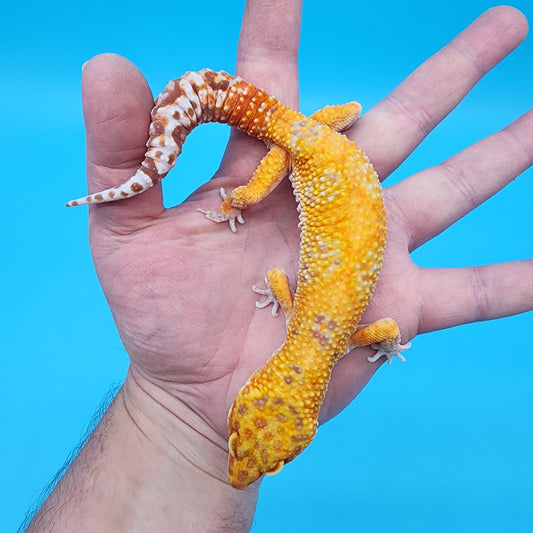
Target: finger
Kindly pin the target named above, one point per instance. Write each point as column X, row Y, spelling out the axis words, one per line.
column 464, row 295
column 267, row 56
column 393, row 128
column 434, row 199
column 116, row 105
column 452, row 297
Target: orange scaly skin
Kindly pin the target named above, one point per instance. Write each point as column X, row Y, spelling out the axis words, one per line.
column 343, row 232
column 342, row 216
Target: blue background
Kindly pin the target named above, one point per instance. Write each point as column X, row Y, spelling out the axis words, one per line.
column 441, row 443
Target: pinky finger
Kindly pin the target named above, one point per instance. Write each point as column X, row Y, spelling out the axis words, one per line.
column 464, row 295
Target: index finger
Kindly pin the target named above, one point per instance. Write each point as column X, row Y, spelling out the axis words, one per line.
column 267, row 56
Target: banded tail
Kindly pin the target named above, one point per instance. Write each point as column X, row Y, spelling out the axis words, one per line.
column 193, row 99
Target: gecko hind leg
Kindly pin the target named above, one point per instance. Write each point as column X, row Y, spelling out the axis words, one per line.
column 274, row 167
column 278, row 292
column 382, row 335
column 277, row 164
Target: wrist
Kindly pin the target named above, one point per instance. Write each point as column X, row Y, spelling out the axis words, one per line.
column 187, row 459
column 148, row 466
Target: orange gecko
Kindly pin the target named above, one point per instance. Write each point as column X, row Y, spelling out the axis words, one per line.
column 343, row 232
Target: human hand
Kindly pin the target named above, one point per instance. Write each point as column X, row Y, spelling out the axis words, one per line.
column 179, row 286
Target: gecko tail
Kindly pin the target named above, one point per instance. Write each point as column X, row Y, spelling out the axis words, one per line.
column 138, row 183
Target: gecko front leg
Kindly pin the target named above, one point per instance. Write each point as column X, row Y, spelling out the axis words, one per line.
column 277, row 293
column 383, row 336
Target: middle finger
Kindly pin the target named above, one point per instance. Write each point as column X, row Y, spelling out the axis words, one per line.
column 392, row 129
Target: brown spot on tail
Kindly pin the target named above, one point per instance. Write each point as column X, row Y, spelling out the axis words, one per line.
column 221, row 84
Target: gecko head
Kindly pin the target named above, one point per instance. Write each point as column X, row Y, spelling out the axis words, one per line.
column 249, row 468
column 265, row 432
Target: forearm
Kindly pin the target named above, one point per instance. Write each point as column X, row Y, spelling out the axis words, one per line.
column 131, row 475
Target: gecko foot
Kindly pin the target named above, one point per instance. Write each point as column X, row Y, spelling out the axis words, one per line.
column 270, row 298
column 388, row 350
column 219, row 216
column 278, row 293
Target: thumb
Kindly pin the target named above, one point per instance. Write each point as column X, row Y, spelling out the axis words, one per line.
column 116, row 106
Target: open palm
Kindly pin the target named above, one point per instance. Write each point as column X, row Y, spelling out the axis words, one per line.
column 179, row 286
